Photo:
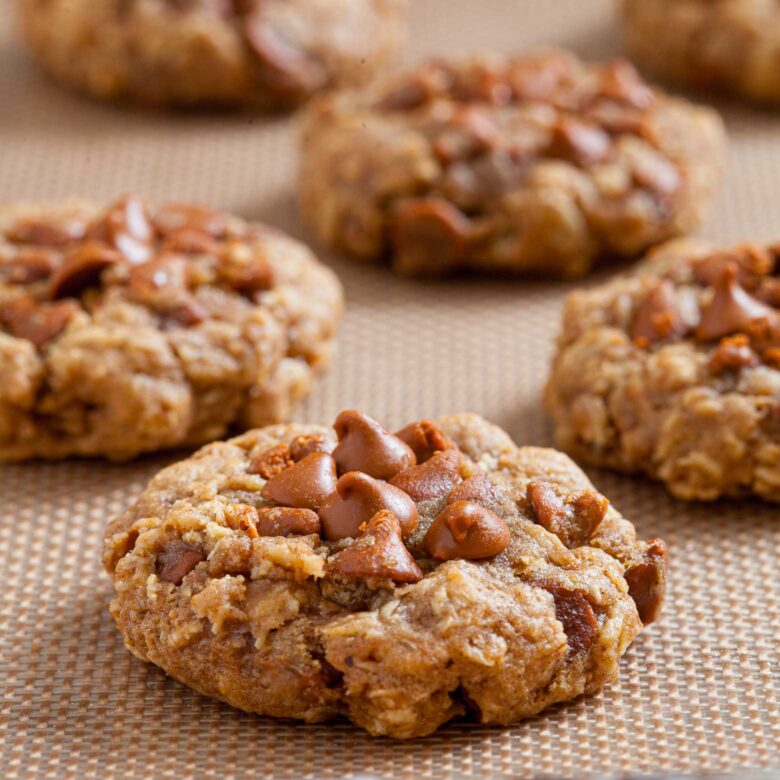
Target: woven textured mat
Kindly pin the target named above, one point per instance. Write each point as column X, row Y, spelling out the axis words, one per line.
column 699, row 691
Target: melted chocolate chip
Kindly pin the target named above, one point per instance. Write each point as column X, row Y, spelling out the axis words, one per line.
column 731, row 309
column 466, row 530
column 304, row 485
column 379, row 552
column 436, row 478
column 364, row 445
column 357, row 499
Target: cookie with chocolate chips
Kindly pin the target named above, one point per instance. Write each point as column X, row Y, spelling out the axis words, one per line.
column 674, row 371
column 535, row 164
column 270, row 54
column 396, row 579
column 129, row 329
column 728, row 45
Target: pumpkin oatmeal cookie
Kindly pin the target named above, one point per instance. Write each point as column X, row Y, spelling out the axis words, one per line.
column 399, row 580
column 674, row 371
column 272, row 54
column 730, row 45
column 539, row 163
column 130, row 329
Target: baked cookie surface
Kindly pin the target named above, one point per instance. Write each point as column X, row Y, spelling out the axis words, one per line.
column 397, row 580
column 731, row 45
column 271, row 54
column 129, row 329
column 541, row 163
column 675, row 372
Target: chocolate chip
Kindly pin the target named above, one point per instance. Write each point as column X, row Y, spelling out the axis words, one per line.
column 732, row 354
column 190, row 242
column 573, row 522
column 126, row 227
column 576, row 615
column 364, row 445
column 177, row 217
column 304, row 485
column 430, row 235
column 357, row 499
column 33, row 265
column 286, row 68
column 379, row 552
column 82, row 268
column 436, row 478
column 306, row 443
column 658, row 316
column 466, row 530
column 425, row 438
column 578, row 142
column 165, row 272
column 731, row 309
column 287, row 521
column 175, row 563
column 245, row 269
column 620, row 81
column 271, row 462
column 37, row 322
column 479, row 489
column 468, row 132
column 647, row 580
column 41, row 233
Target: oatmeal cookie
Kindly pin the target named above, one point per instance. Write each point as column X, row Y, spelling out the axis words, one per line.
column 399, row 580
column 271, row 54
column 731, row 45
column 129, row 329
column 540, row 163
column 674, row 371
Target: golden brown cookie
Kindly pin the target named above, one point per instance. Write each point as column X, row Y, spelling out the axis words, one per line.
column 731, row 45
column 271, row 54
column 129, row 329
column 675, row 372
column 534, row 164
column 399, row 580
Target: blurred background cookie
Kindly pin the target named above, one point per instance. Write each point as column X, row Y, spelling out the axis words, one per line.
column 267, row 53
column 539, row 163
column 731, row 45
column 675, row 372
column 126, row 330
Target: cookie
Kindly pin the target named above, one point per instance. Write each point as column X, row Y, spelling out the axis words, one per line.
column 271, row 54
column 130, row 329
column 399, row 580
column 540, row 163
column 729, row 45
column 675, row 372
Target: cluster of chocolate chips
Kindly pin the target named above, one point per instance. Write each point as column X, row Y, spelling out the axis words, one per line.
column 289, row 73
column 477, row 156
column 368, row 488
column 739, row 309
column 53, row 264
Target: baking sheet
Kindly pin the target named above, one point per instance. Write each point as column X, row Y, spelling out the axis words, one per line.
column 699, row 691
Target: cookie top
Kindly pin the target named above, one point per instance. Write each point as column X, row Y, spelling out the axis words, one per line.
column 128, row 328
column 676, row 371
column 731, row 45
column 398, row 579
column 267, row 53
column 535, row 163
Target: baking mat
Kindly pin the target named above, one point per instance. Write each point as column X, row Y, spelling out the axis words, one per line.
column 699, row 691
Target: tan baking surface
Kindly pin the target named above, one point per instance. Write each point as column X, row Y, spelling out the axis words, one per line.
column 700, row 690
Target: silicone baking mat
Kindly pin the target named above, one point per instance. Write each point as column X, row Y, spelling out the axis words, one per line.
column 698, row 691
